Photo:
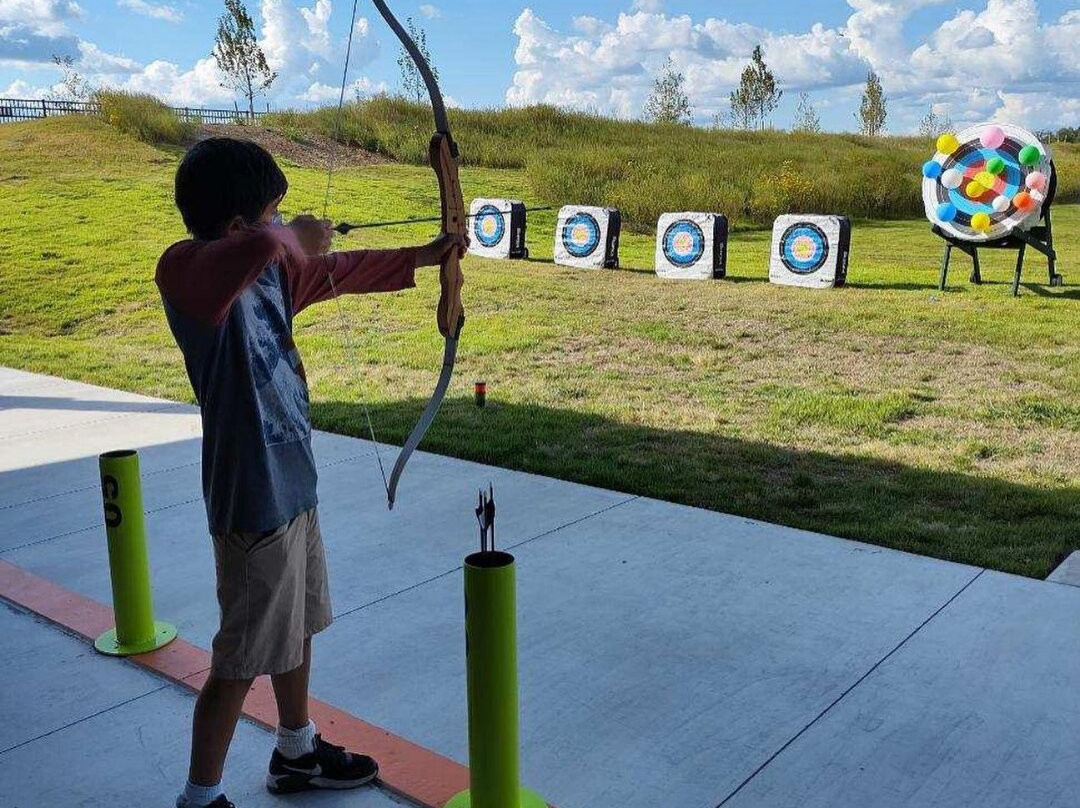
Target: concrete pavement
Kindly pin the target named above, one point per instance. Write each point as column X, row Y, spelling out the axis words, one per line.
column 669, row 656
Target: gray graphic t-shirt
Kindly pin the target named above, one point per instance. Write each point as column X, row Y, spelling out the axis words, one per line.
column 258, row 469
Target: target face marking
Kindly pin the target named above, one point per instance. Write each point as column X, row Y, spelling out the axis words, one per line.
column 990, row 179
column 581, row 235
column 804, row 248
column 684, row 243
column 489, row 226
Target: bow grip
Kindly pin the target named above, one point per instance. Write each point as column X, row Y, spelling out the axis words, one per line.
column 443, row 156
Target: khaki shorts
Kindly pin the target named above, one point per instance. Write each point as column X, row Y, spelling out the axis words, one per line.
column 273, row 594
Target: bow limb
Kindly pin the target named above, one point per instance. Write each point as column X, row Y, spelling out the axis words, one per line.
column 450, row 314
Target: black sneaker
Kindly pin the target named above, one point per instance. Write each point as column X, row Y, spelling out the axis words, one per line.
column 220, row 802
column 328, row 766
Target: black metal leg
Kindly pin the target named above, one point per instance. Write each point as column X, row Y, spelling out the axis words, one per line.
column 976, row 274
column 1019, row 267
column 945, row 267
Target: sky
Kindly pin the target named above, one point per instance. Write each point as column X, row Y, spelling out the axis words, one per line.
column 973, row 60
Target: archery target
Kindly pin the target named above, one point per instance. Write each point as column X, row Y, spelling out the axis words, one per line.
column 587, row 237
column 691, row 245
column 986, row 181
column 810, row 251
column 497, row 228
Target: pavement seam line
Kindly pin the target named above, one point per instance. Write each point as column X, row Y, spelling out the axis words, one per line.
column 843, row 695
column 147, row 512
column 87, row 717
column 451, row 571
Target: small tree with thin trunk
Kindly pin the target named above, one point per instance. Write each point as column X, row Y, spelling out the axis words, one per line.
column 757, row 95
column 75, row 87
column 412, row 83
column 668, row 102
column 806, row 117
column 238, row 55
column 872, row 110
column 933, row 124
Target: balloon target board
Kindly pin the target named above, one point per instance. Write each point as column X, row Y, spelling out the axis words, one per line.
column 497, row 228
column 587, row 237
column 986, row 181
column 810, row 251
column 691, row 245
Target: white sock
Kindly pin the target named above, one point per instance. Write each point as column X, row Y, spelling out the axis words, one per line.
column 198, row 796
column 294, row 743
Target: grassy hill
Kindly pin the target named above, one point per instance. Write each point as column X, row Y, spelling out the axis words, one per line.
column 946, row 424
column 645, row 169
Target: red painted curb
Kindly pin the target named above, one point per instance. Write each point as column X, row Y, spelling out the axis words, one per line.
column 406, row 768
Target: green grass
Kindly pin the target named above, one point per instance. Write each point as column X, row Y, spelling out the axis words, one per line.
column 946, row 424
column 645, row 169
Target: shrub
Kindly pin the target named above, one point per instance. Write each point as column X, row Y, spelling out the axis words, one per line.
column 143, row 117
column 647, row 169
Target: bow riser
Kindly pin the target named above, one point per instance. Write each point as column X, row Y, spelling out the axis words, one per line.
column 443, row 156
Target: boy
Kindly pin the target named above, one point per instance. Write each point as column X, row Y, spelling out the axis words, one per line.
column 230, row 294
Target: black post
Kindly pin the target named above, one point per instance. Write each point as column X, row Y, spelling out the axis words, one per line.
column 1019, row 267
column 945, row 266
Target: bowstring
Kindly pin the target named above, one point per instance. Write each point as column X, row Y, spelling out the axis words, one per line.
column 346, row 334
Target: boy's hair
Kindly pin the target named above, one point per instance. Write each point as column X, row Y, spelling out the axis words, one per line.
column 220, row 178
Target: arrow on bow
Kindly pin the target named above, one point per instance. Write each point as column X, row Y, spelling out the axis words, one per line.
column 450, row 314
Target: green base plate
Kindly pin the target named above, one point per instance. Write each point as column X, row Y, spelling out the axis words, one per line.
column 107, row 643
column 528, row 800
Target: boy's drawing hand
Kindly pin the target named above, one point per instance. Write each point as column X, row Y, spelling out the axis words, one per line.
column 313, row 234
column 433, row 254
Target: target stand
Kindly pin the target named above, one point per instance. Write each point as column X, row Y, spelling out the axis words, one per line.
column 587, row 237
column 991, row 187
column 498, row 228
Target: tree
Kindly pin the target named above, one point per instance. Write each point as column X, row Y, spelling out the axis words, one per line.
column 412, row 83
column 933, row 124
column 238, row 55
column 872, row 110
column 75, row 87
column 806, row 117
column 668, row 102
column 757, row 94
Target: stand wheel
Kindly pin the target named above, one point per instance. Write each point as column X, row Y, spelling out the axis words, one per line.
column 1057, row 279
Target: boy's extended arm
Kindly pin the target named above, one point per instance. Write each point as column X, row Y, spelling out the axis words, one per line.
column 204, row 278
column 354, row 272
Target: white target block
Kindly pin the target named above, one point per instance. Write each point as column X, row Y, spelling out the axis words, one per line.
column 587, row 237
column 810, row 250
column 691, row 245
column 497, row 228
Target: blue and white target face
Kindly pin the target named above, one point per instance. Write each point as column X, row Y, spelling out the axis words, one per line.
column 489, row 226
column 683, row 243
column 804, row 248
column 581, row 235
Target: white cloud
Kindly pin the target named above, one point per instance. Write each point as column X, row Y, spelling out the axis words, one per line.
column 430, row 11
column 974, row 63
column 44, row 17
column 323, row 94
column 157, row 11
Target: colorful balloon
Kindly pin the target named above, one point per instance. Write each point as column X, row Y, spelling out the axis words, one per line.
column 952, row 178
column 946, row 212
column 947, row 143
column 985, row 179
column 1023, row 201
column 995, row 165
column 1036, row 181
column 992, row 137
column 975, row 189
column 931, row 169
column 1000, row 204
column 1030, row 155
column 981, row 222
